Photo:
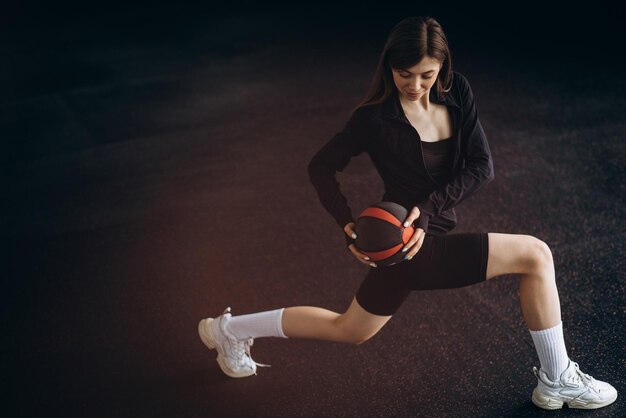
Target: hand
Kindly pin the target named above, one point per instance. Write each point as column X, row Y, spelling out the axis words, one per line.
column 417, row 239
column 363, row 258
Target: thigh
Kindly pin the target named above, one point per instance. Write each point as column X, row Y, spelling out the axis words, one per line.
column 443, row 262
column 512, row 253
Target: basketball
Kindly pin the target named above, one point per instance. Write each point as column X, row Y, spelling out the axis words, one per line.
column 380, row 233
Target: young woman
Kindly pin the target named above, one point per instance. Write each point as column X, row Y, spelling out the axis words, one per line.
column 420, row 126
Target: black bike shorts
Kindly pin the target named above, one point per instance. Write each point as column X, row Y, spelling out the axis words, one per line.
column 443, row 262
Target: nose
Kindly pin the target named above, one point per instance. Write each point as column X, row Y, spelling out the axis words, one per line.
column 416, row 85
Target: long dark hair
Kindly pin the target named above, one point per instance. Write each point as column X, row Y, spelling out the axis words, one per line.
column 409, row 41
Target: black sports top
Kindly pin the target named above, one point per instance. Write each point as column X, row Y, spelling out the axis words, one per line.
column 408, row 167
column 438, row 159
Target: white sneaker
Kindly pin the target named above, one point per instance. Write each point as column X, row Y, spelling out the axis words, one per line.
column 233, row 355
column 577, row 389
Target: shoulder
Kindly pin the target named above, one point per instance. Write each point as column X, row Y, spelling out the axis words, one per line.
column 460, row 85
column 366, row 115
column 459, row 79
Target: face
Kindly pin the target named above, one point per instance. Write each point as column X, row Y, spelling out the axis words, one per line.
column 417, row 79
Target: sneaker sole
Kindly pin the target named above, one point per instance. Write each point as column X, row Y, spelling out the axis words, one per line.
column 546, row 402
column 204, row 330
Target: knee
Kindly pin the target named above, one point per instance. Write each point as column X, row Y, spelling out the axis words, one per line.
column 360, row 339
column 357, row 337
column 352, row 335
column 539, row 255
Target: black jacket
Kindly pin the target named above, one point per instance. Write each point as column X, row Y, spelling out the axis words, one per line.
column 394, row 146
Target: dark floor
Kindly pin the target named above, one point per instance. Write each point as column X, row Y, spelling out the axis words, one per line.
column 155, row 173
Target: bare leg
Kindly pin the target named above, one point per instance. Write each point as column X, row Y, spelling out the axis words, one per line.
column 355, row 326
column 508, row 254
column 532, row 259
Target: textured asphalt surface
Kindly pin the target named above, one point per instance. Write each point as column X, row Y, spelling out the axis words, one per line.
column 154, row 172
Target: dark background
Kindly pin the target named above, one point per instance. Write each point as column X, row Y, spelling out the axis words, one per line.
column 154, row 172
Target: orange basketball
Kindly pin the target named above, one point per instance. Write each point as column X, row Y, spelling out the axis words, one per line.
column 380, row 233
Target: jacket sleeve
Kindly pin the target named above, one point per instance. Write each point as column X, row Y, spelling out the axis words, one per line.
column 478, row 168
column 334, row 156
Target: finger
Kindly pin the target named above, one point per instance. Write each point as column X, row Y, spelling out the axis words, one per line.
column 369, row 263
column 363, row 258
column 410, row 218
column 349, row 230
column 414, row 247
column 418, row 244
column 413, row 215
column 412, row 240
column 358, row 253
column 366, row 259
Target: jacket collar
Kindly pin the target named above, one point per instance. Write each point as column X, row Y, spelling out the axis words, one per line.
column 392, row 109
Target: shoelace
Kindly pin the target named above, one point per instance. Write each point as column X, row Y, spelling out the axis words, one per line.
column 248, row 343
column 242, row 349
column 583, row 378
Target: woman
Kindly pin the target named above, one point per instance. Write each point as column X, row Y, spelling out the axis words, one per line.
column 420, row 126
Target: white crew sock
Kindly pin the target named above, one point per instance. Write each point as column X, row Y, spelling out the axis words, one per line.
column 551, row 350
column 262, row 324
